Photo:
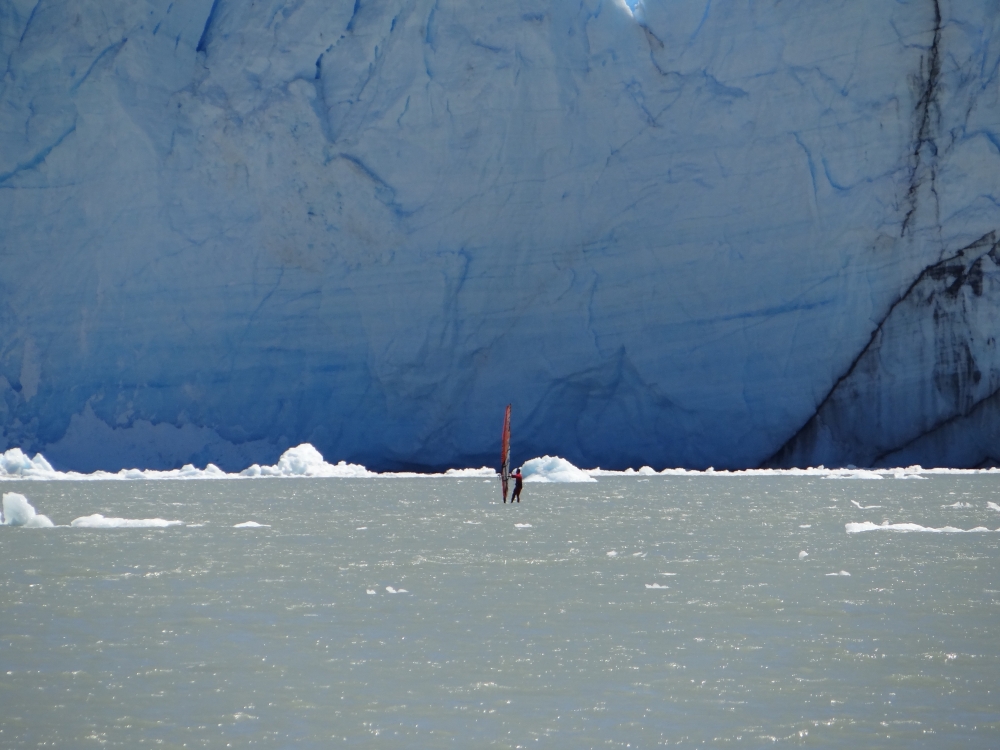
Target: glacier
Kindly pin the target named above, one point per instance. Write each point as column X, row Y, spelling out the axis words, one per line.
column 680, row 233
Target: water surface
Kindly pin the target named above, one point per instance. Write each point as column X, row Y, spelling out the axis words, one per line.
column 634, row 612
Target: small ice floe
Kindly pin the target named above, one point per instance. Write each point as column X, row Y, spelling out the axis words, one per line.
column 841, row 573
column 391, row 590
column 992, row 506
column 473, row 523
column 656, row 586
column 668, row 574
column 856, row 504
column 855, row 528
column 852, row 473
column 910, row 472
column 805, row 525
column 522, row 525
column 638, row 554
column 17, row 511
column 97, row 521
column 252, row 525
column 612, row 553
column 960, row 504
column 803, row 555
column 361, row 528
column 370, row 592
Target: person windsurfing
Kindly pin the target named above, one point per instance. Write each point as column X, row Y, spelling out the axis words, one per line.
column 518, row 483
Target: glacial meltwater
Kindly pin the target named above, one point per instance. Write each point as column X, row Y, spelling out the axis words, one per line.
column 422, row 613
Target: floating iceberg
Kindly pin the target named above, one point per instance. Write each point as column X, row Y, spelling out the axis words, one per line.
column 15, row 464
column 17, row 511
column 553, row 469
column 305, row 461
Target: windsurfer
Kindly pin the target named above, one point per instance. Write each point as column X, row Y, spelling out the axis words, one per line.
column 518, row 483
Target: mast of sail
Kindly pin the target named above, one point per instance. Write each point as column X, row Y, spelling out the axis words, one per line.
column 505, row 453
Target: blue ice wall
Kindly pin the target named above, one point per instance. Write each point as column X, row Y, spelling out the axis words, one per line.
column 681, row 233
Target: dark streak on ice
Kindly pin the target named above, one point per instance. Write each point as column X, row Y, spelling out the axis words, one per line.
column 39, row 157
column 206, row 34
column 951, row 267
column 927, row 101
column 112, row 49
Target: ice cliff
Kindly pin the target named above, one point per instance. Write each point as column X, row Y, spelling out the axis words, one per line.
column 681, row 233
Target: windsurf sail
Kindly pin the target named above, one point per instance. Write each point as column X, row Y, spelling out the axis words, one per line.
column 505, row 453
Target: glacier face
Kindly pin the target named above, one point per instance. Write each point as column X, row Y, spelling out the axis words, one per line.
column 685, row 233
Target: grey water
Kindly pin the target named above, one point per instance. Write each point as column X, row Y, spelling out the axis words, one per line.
column 632, row 612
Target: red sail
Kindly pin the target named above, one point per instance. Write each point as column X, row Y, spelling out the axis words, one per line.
column 505, row 453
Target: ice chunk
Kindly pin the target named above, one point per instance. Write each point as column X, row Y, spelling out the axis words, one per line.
column 17, row 511
column 864, row 507
column 992, row 506
column 612, row 553
column 553, row 469
column 803, row 555
column 656, row 586
column 522, row 525
column 391, row 590
column 97, row 521
column 251, row 525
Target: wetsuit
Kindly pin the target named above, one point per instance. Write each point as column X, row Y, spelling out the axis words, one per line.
column 517, row 488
